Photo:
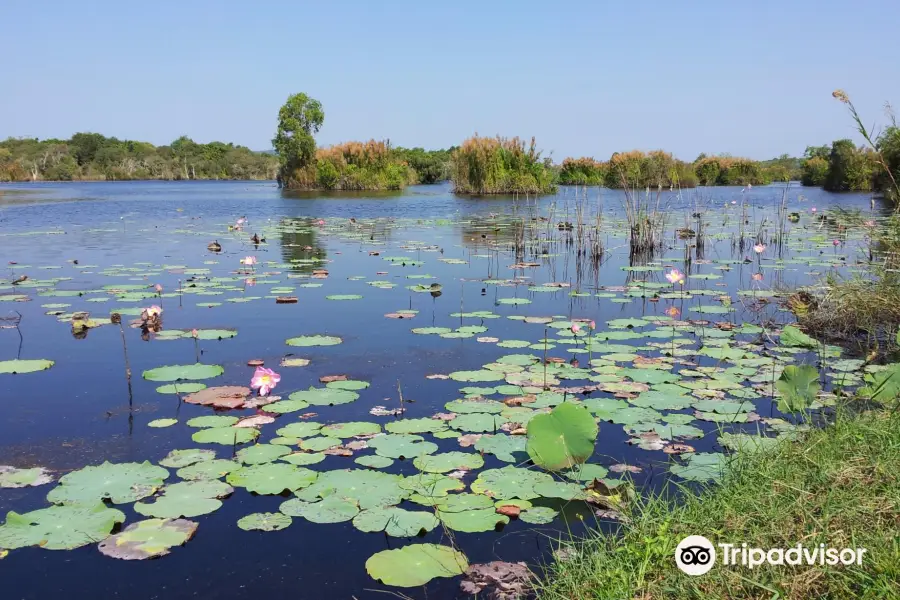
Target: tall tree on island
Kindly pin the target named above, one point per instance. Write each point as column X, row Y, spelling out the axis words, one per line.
column 299, row 119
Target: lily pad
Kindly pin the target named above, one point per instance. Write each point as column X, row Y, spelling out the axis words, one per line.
column 11, row 477
column 331, row 509
column 448, row 461
column 151, row 538
column 186, row 499
column 700, row 467
column 425, row 425
column 159, row 423
column 400, row 445
column 272, row 478
column 258, row 454
column 183, row 458
column 395, row 522
column 415, row 565
column 504, row 447
column 314, row 340
column 183, row 372
column 325, row 396
column 227, row 436
column 509, row 482
column 119, row 483
column 181, row 388
column 208, row 469
column 18, row 367
column 562, row 438
column 538, row 515
column 264, row 522
column 59, row 527
column 473, row 521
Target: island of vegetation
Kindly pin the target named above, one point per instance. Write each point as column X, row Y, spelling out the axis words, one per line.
column 479, row 166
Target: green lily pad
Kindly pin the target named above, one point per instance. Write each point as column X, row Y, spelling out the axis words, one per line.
column 477, row 376
column 186, row 499
column 314, row 340
column 303, row 458
column 181, row 388
column 151, row 538
column 331, row 509
column 183, row 372
column 18, row 367
column 258, row 454
column 509, row 482
column 227, row 436
column 366, row 487
column 395, row 522
column 538, row 515
column 700, row 467
column 344, row 297
column 324, row 396
column 300, row 429
column 400, row 445
column 212, row 421
column 347, row 384
column 431, row 486
column 272, row 478
column 159, row 423
column 473, row 521
column 478, row 422
column 424, row 425
column 562, row 438
column 448, row 461
column 374, row 461
column 415, row 565
column 208, row 469
column 119, row 483
column 264, row 522
column 59, row 527
column 504, row 447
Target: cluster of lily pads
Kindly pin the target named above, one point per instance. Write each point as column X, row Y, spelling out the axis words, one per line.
column 539, row 409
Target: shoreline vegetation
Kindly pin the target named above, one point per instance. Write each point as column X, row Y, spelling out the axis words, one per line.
column 479, row 166
column 836, row 486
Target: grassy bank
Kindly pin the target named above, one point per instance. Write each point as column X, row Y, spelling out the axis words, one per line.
column 839, row 486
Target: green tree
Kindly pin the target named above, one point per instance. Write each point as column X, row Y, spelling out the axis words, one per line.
column 85, row 146
column 299, row 119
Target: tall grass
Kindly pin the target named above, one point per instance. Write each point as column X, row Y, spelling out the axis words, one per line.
column 838, row 486
column 499, row 165
column 371, row 165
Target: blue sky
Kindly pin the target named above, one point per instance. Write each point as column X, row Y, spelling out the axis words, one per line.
column 586, row 78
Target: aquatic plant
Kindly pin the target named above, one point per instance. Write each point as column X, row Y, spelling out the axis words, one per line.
column 264, row 380
column 500, row 165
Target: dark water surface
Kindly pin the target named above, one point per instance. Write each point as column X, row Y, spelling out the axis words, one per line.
column 77, row 413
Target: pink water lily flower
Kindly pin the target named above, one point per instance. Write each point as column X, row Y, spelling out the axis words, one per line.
column 813, row 209
column 250, row 282
column 592, row 325
column 320, row 222
column 757, row 277
column 153, row 311
column 835, row 242
column 264, row 380
column 158, row 288
column 759, row 248
column 195, row 333
column 673, row 312
column 675, row 276
column 248, row 260
column 575, row 328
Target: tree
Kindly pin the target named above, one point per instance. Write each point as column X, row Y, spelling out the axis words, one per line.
column 85, row 146
column 822, row 152
column 299, row 119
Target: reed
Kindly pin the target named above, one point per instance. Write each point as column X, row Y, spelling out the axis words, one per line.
column 500, row 165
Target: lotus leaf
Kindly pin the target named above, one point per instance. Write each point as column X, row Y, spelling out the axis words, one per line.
column 159, row 423
column 475, row 406
column 264, row 522
column 792, row 337
column 208, row 469
column 476, row 376
column 299, row 429
column 509, row 482
column 478, row 422
column 448, row 461
column 286, row 406
column 348, row 384
column 415, row 565
column 431, row 485
column 368, row 488
column 18, row 367
column 11, row 477
column 331, row 509
column 798, row 387
column 538, row 515
column 425, row 425
column 183, row 458
column 400, row 445
column 560, row 489
column 181, row 388
column 183, row 372
column 261, row 453
column 473, row 521
column 59, row 527
column 562, row 438
column 395, row 522
column 587, row 472
column 314, row 340
column 212, row 421
column 374, row 461
column 186, row 499
column 227, row 436
column 700, row 467
column 271, row 478
column 324, row 396
column 502, row 446
column 351, row 429
column 119, row 483
column 151, row 538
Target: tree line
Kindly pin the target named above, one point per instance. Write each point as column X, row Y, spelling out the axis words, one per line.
column 92, row 156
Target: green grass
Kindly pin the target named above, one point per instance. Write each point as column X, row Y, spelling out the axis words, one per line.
column 839, row 486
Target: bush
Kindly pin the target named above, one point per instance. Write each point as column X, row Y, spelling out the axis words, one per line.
column 814, row 171
column 500, row 166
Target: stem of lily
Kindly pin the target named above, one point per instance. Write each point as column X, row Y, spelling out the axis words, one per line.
column 545, row 359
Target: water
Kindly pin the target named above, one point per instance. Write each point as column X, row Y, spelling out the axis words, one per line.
column 78, row 413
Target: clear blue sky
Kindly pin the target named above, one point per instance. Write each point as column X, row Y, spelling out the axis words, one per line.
column 586, row 78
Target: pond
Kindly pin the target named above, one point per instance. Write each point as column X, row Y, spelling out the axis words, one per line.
column 438, row 305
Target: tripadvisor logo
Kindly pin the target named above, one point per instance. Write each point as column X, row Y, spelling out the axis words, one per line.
column 696, row 555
